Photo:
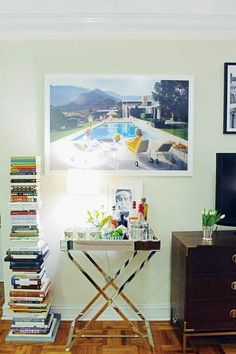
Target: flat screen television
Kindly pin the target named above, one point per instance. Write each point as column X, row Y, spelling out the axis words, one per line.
column 225, row 194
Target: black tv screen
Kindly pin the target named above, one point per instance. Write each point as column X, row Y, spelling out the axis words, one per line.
column 225, row 197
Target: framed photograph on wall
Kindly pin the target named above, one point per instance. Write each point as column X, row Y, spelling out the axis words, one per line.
column 229, row 98
column 119, row 124
column 122, row 195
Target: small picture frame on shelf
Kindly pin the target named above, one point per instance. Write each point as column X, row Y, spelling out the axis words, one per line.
column 229, row 98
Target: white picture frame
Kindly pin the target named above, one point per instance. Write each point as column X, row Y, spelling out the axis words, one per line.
column 73, row 109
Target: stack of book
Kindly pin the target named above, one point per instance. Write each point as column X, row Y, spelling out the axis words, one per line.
column 24, row 181
column 30, row 295
column 25, row 198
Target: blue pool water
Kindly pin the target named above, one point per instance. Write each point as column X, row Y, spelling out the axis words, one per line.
column 108, row 131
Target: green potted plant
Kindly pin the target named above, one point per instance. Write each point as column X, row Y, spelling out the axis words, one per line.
column 210, row 217
column 98, row 218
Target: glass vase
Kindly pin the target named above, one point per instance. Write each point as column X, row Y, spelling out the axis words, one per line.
column 207, row 232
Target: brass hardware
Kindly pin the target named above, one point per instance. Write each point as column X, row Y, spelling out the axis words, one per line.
column 233, row 313
column 233, row 285
column 234, row 258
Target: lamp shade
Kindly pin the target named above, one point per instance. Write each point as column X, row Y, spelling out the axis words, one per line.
column 83, row 182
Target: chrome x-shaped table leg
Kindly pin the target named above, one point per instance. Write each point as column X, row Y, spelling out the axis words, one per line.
column 109, row 300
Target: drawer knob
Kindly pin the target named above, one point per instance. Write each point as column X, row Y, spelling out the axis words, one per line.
column 234, row 258
column 233, row 313
column 233, row 285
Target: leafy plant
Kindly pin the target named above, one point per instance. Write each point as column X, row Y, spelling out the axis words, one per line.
column 117, row 233
column 211, row 217
column 98, row 218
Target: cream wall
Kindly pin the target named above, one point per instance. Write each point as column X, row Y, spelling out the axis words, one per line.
column 113, row 6
column 175, row 202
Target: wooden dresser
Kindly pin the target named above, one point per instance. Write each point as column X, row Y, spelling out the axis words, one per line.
column 203, row 284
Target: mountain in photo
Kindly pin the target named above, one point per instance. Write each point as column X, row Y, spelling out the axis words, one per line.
column 94, row 99
column 62, row 95
column 123, row 97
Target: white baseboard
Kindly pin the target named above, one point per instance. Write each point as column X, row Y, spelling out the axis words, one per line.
column 151, row 312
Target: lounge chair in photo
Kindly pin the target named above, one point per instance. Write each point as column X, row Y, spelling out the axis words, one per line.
column 88, row 156
column 142, row 150
column 163, row 150
column 133, row 144
column 80, row 146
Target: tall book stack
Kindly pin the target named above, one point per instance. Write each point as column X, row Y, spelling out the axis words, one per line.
column 30, row 295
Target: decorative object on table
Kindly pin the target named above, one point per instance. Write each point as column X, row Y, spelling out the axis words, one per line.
column 229, row 98
column 83, row 232
column 122, row 195
column 141, row 213
column 98, row 218
column 120, row 233
column 137, row 226
column 115, row 216
column 139, row 231
column 145, row 207
column 123, row 224
column 133, row 215
column 209, row 219
column 96, row 226
column 107, row 229
column 207, row 232
column 122, row 220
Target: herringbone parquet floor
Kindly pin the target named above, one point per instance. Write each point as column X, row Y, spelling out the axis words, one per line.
column 165, row 338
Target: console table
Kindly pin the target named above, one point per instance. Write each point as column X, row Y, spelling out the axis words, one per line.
column 203, row 284
column 150, row 247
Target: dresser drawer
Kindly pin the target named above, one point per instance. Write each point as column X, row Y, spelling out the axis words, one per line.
column 208, row 286
column 211, row 315
column 212, row 259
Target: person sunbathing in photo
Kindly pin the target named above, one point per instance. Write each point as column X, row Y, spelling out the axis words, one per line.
column 87, row 143
column 133, row 143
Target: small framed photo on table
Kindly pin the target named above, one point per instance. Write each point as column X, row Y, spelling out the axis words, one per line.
column 122, row 196
column 229, row 98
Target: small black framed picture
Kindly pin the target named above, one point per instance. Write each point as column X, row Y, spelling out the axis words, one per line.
column 229, row 98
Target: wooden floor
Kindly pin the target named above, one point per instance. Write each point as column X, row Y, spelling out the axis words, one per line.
column 165, row 338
